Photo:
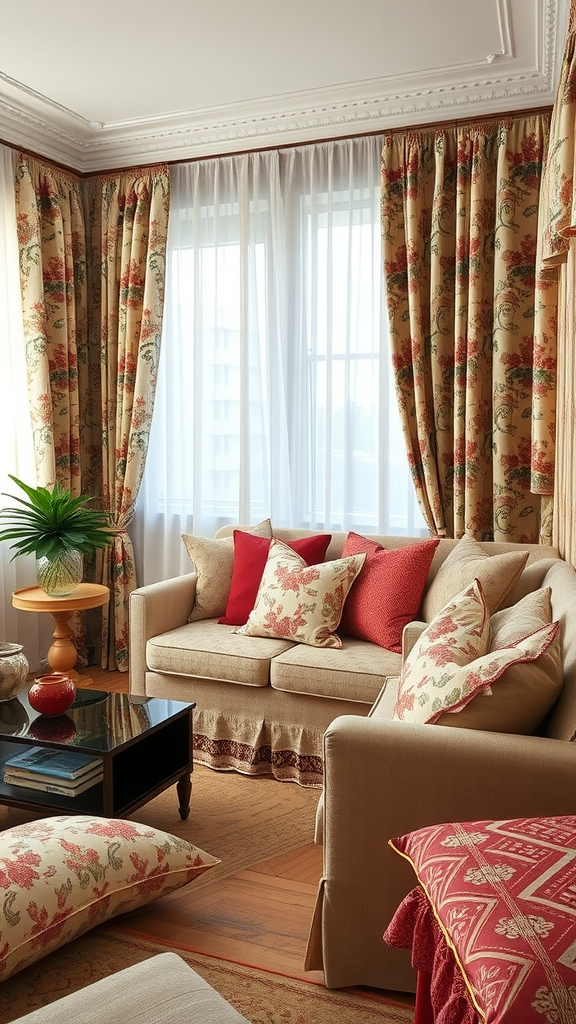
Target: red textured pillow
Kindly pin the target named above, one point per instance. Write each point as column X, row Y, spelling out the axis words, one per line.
column 387, row 592
column 250, row 556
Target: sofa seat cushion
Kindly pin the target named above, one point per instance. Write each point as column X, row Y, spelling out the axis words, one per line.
column 355, row 672
column 214, row 651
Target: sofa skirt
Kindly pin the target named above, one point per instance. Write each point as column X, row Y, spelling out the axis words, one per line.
column 258, row 747
column 256, row 730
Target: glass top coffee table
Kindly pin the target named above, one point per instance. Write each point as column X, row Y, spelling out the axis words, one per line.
column 145, row 745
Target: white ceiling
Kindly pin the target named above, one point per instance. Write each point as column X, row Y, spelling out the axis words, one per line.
column 136, row 81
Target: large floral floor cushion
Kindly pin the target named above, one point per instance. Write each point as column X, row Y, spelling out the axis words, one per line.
column 63, row 875
column 503, row 896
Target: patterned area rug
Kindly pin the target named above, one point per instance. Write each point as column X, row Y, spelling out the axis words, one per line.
column 263, row 998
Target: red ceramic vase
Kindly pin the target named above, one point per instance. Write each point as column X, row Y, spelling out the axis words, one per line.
column 52, row 694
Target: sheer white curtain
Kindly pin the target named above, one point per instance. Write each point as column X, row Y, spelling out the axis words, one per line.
column 16, row 451
column 275, row 396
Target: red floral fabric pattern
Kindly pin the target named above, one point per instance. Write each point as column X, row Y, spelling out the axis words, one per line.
column 503, row 894
column 299, row 602
column 127, row 224
column 250, row 554
column 472, row 326
column 62, row 876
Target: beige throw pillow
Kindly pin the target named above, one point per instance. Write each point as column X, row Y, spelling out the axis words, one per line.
column 213, row 561
column 498, row 575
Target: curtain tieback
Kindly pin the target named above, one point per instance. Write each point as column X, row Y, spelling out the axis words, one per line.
column 118, row 528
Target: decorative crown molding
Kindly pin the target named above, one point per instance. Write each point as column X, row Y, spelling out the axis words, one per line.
column 503, row 81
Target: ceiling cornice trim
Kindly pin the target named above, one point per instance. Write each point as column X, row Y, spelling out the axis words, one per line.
column 30, row 120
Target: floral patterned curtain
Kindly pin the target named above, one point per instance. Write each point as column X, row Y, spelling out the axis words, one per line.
column 52, row 245
column 468, row 321
column 127, row 223
column 53, row 278
column 557, row 263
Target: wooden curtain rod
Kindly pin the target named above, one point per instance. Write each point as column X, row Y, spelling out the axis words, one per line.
column 428, row 126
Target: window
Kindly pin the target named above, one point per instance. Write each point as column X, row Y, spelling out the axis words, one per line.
column 275, row 396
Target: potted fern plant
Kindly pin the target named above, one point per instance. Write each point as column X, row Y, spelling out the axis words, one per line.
column 58, row 529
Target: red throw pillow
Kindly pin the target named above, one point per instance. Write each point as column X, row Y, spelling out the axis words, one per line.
column 387, row 592
column 250, row 556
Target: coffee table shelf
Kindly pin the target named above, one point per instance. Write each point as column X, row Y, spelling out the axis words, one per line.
column 145, row 747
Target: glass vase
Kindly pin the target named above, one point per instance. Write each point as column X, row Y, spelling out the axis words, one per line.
column 60, row 574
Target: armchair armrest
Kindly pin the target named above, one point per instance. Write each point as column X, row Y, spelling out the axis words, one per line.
column 385, row 778
column 156, row 609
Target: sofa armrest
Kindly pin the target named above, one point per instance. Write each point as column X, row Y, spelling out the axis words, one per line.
column 410, row 634
column 155, row 609
column 385, row 778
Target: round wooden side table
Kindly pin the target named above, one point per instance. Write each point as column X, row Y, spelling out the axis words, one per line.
column 62, row 655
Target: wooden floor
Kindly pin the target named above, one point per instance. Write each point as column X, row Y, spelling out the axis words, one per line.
column 259, row 916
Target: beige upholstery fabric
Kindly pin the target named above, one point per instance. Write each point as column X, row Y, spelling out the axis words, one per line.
column 213, row 561
column 160, row 990
column 208, row 648
column 256, row 730
column 355, row 672
column 561, row 723
column 260, row 728
column 399, row 777
column 498, row 575
column 383, row 706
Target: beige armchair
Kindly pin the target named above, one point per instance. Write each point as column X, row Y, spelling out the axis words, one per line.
column 384, row 778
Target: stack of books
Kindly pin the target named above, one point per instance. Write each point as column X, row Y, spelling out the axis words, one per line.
column 64, row 772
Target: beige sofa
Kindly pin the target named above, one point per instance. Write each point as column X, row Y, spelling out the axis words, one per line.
column 263, row 705
column 384, row 778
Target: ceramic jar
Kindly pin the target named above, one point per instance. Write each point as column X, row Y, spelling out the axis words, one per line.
column 13, row 670
column 52, row 694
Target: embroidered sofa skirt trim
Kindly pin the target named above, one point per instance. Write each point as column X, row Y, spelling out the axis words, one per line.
column 289, row 753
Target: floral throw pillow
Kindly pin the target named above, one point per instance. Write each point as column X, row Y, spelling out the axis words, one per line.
column 451, row 662
column 301, row 602
column 250, row 554
column 63, row 875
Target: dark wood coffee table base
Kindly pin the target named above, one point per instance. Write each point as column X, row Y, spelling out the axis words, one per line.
column 184, row 790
